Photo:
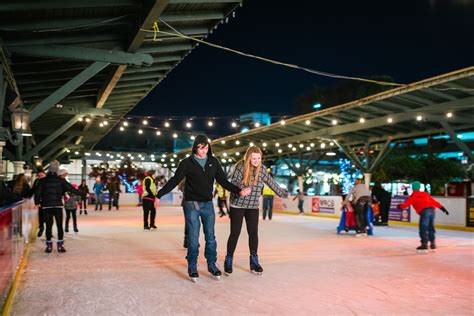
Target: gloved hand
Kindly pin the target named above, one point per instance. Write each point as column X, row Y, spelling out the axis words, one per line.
column 444, row 210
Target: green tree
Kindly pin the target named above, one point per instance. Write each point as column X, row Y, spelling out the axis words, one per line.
column 424, row 168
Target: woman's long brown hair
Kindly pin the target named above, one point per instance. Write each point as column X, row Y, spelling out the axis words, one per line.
column 19, row 183
column 248, row 168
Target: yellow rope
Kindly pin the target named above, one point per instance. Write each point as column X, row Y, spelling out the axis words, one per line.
column 156, row 30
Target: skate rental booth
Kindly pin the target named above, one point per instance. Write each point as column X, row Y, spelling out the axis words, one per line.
column 366, row 131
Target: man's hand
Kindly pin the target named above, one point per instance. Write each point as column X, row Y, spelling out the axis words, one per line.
column 156, row 203
column 245, row 191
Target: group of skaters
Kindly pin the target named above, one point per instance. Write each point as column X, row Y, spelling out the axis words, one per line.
column 360, row 198
column 53, row 191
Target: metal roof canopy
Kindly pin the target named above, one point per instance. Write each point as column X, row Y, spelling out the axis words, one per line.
column 341, row 126
column 90, row 56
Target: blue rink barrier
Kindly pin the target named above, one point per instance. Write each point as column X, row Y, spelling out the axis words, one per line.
column 342, row 223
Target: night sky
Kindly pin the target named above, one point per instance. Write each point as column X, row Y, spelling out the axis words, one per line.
column 408, row 40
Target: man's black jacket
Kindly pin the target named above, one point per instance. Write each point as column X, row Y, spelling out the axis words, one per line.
column 199, row 182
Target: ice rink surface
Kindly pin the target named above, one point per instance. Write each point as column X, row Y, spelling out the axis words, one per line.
column 114, row 267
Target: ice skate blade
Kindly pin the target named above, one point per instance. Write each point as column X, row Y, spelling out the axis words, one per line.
column 255, row 272
column 422, row 251
column 194, row 280
column 216, row 277
column 227, row 273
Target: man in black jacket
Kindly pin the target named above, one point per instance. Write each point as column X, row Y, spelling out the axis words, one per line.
column 49, row 196
column 200, row 170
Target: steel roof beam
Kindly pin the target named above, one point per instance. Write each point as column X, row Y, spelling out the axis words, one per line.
column 45, row 142
column 76, row 40
column 46, row 24
column 164, row 48
column 141, row 77
column 66, row 89
column 148, row 69
column 29, row 5
column 78, row 110
column 202, row 1
column 448, row 129
column 84, row 54
column 195, row 16
column 186, row 30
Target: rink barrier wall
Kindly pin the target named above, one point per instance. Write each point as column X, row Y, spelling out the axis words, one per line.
column 18, row 224
column 330, row 207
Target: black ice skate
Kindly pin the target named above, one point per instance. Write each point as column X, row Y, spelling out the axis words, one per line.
column 214, row 270
column 192, row 272
column 433, row 246
column 422, row 249
column 255, row 266
column 228, row 265
column 49, row 247
column 61, row 248
column 153, row 226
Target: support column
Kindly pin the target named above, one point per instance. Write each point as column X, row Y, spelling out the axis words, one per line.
column 300, row 183
column 84, row 168
column 367, row 177
column 2, row 171
column 18, row 167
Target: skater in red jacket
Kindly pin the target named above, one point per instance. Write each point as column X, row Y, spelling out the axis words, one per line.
column 424, row 206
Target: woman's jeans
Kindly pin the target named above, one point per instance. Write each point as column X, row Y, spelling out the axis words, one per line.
column 195, row 214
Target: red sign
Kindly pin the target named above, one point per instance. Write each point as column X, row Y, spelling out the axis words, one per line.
column 316, row 203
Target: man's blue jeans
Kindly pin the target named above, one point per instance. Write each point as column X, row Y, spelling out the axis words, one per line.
column 267, row 206
column 195, row 213
column 427, row 230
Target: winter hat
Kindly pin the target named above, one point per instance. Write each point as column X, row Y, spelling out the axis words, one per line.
column 54, row 166
column 62, row 172
column 416, row 186
column 75, row 186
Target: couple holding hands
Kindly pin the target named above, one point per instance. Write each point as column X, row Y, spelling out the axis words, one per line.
column 200, row 169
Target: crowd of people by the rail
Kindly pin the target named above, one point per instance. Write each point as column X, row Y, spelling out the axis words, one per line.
column 201, row 178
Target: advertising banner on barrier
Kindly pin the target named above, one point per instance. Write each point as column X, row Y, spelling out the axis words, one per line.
column 470, row 212
column 323, row 204
column 397, row 214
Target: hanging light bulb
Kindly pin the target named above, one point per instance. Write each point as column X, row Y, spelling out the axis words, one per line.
column 145, row 122
column 87, row 119
column 334, row 122
column 233, row 124
column 308, row 122
column 449, row 114
column 167, row 124
column 389, row 120
column 125, row 123
column 257, row 124
column 188, row 124
column 210, row 123
column 362, row 120
column 282, row 122
column 175, row 135
column 419, row 118
column 280, row 151
column 122, row 129
column 222, row 142
column 140, row 131
column 101, row 124
column 158, row 133
column 277, row 144
column 237, row 142
column 193, row 137
column 81, row 119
